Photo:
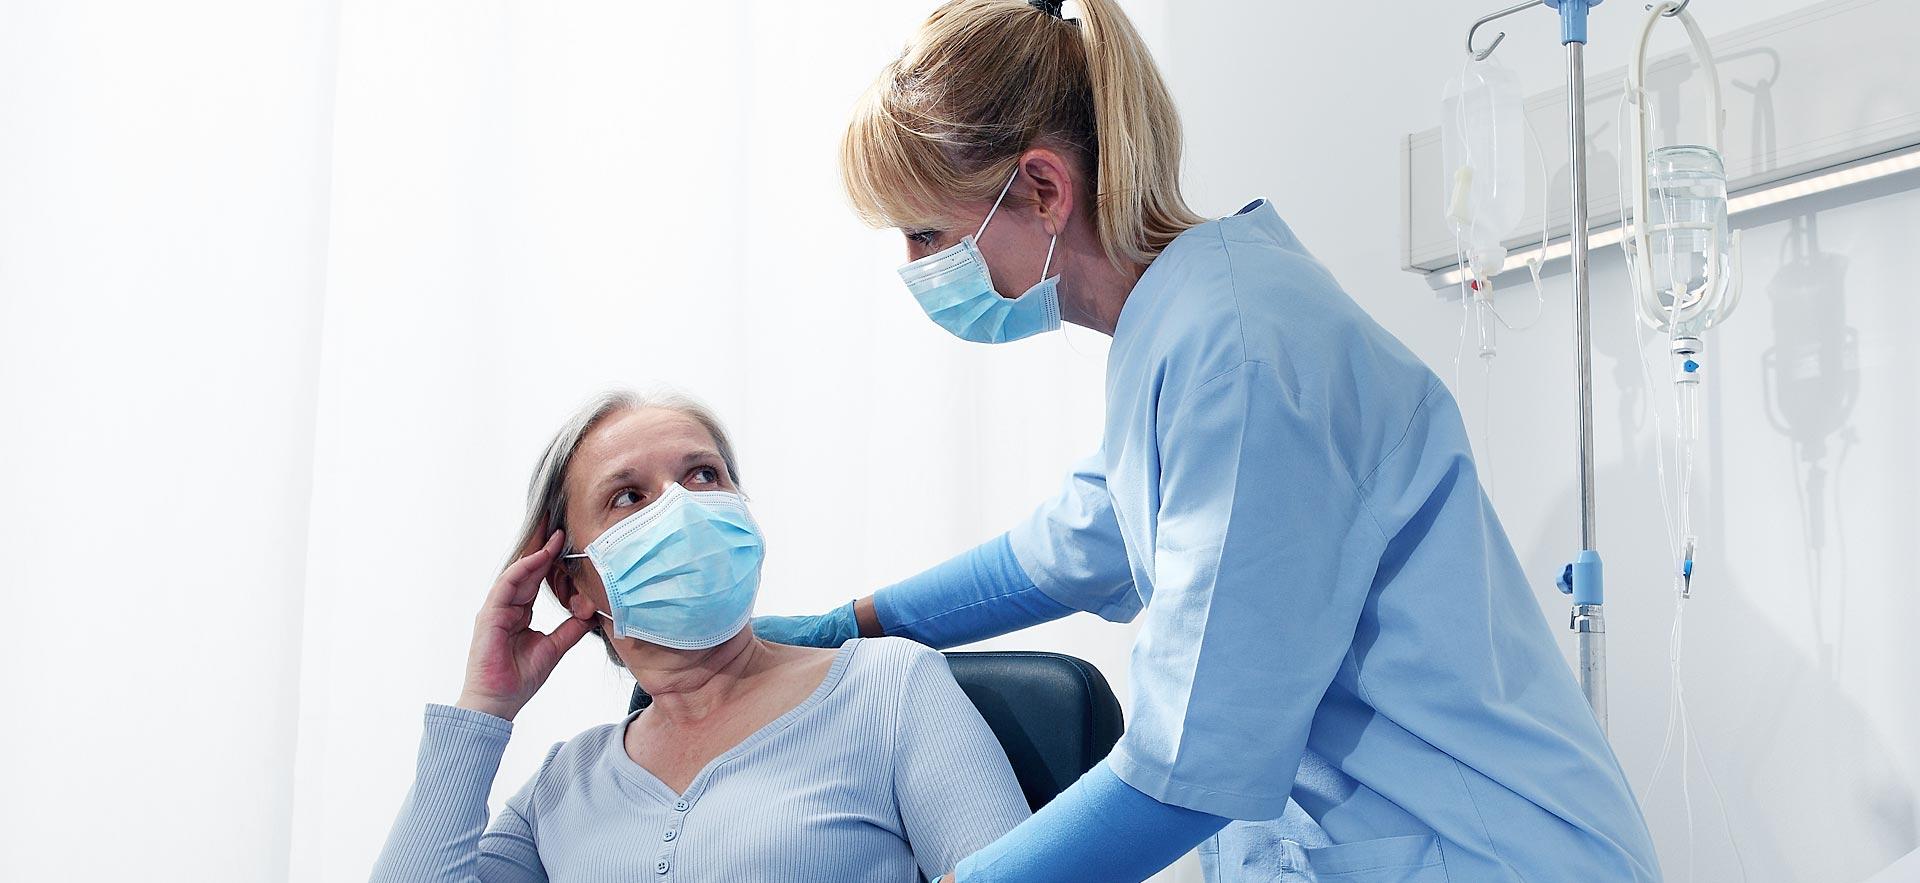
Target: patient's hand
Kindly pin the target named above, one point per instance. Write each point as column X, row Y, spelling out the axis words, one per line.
column 509, row 659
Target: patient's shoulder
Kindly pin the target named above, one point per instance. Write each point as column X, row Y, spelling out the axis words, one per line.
column 897, row 656
column 568, row 766
column 889, row 669
column 576, row 757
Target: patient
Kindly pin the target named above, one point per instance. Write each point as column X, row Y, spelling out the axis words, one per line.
column 754, row 761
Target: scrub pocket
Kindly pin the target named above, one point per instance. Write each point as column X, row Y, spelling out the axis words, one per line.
column 1415, row 858
column 1251, row 855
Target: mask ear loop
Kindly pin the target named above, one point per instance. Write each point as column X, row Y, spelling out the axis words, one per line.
column 569, row 556
column 1051, row 243
column 996, row 205
column 596, row 610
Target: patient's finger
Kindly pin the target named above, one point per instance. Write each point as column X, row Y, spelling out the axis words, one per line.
column 556, row 644
column 519, row 584
column 569, row 632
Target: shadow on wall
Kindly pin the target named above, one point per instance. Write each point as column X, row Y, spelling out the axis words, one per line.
column 1810, row 791
column 1811, row 378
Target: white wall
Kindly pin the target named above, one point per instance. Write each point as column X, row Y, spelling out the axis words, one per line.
column 1799, row 668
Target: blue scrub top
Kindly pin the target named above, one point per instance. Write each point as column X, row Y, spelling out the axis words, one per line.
column 1338, row 636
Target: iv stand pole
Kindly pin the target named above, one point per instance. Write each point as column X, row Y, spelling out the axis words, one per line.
column 1583, row 578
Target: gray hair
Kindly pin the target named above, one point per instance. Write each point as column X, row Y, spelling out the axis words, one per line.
column 547, row 491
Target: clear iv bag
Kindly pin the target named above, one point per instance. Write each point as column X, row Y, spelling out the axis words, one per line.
column 1684, row 261
column 1689, row 258
column 1483, row 144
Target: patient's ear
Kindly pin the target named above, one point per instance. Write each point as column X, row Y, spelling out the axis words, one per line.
column 562, row 583
column 582, row 607
column 560, row 577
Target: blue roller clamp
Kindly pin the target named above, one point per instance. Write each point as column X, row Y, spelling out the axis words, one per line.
column 1573, row 18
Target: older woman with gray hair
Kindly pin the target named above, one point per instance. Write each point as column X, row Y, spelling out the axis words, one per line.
column 754, row 760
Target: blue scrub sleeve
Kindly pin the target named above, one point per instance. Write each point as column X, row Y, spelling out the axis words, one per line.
column 1073, row 549
column 975, row 595
column 1098, row 829
column 1260, row 528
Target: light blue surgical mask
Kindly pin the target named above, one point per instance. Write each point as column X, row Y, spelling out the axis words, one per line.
column 955, row 288
column 682, row 572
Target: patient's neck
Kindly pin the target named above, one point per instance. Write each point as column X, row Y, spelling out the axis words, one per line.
column 688, row 686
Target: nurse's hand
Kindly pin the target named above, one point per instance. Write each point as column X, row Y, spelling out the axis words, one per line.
column 855, row 619
column 510, row 659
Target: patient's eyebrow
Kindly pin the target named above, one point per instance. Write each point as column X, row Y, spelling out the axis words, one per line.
column 626, row 474
column 623, row 475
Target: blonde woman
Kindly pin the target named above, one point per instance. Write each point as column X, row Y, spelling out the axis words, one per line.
column 1341, row 672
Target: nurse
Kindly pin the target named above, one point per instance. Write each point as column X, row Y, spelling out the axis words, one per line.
column 1341, row 672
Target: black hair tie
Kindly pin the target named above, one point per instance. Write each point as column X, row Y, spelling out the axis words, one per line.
column 1050, row 7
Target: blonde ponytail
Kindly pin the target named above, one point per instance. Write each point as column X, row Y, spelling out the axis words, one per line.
column 983, row 81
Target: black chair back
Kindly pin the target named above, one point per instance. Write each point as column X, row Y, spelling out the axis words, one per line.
column 1054, row 714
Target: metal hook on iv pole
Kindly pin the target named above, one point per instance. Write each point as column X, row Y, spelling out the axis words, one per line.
column 1481, row 54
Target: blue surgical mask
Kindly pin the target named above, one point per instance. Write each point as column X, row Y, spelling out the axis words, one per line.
column 682, row 572
column 956, row 290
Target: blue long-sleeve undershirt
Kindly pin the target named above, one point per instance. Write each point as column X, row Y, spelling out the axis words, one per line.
column 977, row 594
column 1101, row 828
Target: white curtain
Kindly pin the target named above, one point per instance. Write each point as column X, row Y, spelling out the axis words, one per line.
column 291, row 295
column 163, row 228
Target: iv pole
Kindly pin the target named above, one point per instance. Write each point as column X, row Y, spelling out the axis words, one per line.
column 1583, row 578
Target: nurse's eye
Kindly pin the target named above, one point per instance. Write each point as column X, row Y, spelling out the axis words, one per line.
column 922, row 237
column 704, row 475
column 626, row 498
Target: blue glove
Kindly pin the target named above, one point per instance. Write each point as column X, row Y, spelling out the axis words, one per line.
column 829, row 629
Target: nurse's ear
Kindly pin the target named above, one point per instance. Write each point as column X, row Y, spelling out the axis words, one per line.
column 1052, row 183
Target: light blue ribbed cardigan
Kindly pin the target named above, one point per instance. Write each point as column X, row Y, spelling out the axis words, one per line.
column 885, row 773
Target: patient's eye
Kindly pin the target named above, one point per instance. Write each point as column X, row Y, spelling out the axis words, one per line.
column 625, row 498
column 704, row 475
column 922, row 237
